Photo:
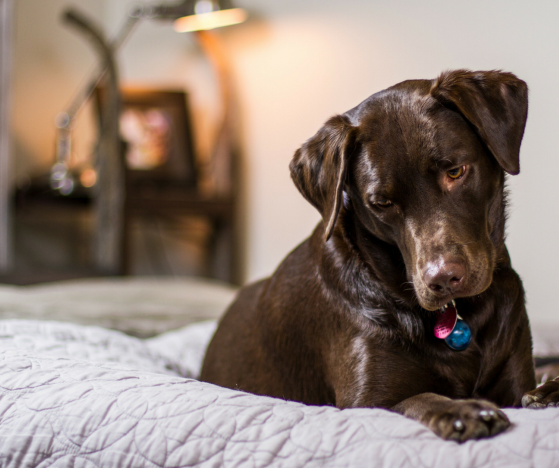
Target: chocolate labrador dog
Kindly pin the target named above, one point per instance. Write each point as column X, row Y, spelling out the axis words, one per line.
column 410, row 185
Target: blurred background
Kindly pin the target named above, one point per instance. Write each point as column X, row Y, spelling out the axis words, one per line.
column 284, row 71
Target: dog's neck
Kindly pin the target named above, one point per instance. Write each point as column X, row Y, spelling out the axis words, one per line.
column 369, row 277
column 357, row 263
column 382, row 260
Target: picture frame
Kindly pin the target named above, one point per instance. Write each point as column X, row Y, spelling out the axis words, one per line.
column 158, row 146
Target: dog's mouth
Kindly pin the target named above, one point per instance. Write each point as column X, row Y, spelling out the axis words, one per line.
column 432, row 300
column 435, row 303
column 456, row 270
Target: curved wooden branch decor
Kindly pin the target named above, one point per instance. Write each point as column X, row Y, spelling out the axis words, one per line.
column 221, row 170
column 109, row 199
column 224, row 163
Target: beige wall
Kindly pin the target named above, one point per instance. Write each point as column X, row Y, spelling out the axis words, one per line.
column 50, row 63
column 296, row 64
column 298, row 67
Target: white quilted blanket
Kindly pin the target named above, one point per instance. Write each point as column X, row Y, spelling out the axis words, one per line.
column 76, row 396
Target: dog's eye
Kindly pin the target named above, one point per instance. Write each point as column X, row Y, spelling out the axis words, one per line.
column 457, row 172
column 383, row 203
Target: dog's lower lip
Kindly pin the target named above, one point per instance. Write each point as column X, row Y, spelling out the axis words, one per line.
column 434, row 308
column 432, row 302
column 437, row 304
column 442, row 301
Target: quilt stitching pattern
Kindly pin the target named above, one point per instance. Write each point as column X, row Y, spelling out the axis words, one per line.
column 88, row 397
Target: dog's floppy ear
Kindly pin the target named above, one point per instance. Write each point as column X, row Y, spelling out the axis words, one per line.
column 319, row 168
column 495, row 103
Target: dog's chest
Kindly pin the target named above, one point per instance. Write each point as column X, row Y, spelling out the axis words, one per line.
column 390, row 373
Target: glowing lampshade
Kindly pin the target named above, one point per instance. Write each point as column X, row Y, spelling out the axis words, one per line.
column 210, row 20
column 194, row 15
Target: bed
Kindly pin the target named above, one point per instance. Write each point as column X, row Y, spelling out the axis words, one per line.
column 77, row 394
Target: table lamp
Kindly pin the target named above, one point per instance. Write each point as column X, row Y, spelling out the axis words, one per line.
column 200, row 15
column 190, row 15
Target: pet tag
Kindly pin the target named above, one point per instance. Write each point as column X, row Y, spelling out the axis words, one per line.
column 460, row 337
column 445, row 323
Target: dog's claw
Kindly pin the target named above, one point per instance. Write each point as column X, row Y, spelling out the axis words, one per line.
column 464, row 420
column 528, row 401
column 535, row 405
column 458, row 425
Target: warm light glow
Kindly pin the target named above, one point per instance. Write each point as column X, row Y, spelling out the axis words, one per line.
column 88, row 178
column 215, row 19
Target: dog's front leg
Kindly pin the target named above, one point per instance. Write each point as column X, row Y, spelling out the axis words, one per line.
column 458, row 420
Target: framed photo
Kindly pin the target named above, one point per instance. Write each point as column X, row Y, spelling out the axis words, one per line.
column 157, row 134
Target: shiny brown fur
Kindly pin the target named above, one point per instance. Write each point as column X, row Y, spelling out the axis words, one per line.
column 347, row 319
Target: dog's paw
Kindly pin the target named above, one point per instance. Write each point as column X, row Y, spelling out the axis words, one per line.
column 545, row 395
column 469, row 419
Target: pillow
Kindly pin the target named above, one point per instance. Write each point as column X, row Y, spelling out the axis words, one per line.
column 139, row 306
column 185, row 348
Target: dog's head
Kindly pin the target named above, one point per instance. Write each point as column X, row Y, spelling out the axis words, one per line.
column 423, row 164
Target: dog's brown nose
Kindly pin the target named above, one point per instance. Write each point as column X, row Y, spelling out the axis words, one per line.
column 444, row 277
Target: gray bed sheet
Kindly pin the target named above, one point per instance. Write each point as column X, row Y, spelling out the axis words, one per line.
column 73, row 395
